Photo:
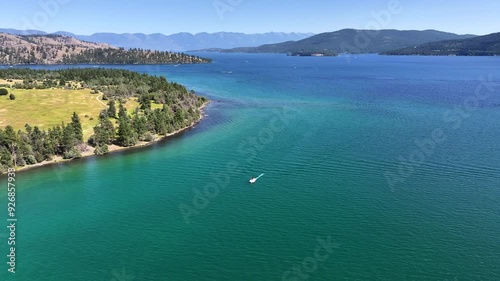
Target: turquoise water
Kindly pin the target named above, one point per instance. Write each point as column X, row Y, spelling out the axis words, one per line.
column 329, row 134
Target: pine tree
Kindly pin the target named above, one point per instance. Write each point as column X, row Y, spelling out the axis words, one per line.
column 111, row 109
column 139, row 125
column 68, row 137
column 37, row 137
column 145, row 101
column 179, row 118
column 126, row 136
column 77, row 127
column 122, row 111
column 5, row 157
column 28, row 129
column 55, row 137
column 11, row 140
column 104, row 132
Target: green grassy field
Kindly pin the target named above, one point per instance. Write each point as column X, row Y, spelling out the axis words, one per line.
column 46, row 108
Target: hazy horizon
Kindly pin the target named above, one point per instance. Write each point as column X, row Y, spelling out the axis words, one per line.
column 150, row 17
column 195, row 33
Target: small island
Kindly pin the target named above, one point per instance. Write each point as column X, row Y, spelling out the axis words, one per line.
column 49, row 116
column 312, row 54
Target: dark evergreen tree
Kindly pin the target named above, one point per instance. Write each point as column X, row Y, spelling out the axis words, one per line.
column 68, row 137
column 139, row 125
column 77, row 127
column 144, row 101
column 10, row 141
column 111, row 109
column 5, row 158
column 126, row 135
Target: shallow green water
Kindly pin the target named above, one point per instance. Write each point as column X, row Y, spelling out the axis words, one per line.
column 325, row 132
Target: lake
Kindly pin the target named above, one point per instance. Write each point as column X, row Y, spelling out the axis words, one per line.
column 375, row 168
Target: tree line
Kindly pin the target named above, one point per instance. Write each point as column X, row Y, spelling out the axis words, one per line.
column 34, row 145
column 131, row 56
column 142, row 125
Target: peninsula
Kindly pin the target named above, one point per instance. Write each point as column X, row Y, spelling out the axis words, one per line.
column 54, row 115
column 59, row 49
column 487, row 45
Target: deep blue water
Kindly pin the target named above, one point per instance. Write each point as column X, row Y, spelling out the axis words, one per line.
column 392, row 159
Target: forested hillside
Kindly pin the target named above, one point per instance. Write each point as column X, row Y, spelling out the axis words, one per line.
column 354, row 41
column 58, row 49
column 487, row 45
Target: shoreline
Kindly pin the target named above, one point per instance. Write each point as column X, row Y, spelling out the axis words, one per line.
column 113, row 148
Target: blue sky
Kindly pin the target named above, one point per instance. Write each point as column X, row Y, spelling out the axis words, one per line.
column 249, row 16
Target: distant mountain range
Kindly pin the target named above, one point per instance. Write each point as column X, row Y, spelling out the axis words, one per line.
column 178, row 41
column 390, row 42
column 488, row 45
column 354, row 41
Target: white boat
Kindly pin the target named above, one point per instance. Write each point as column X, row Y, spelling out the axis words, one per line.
column 253, row 180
